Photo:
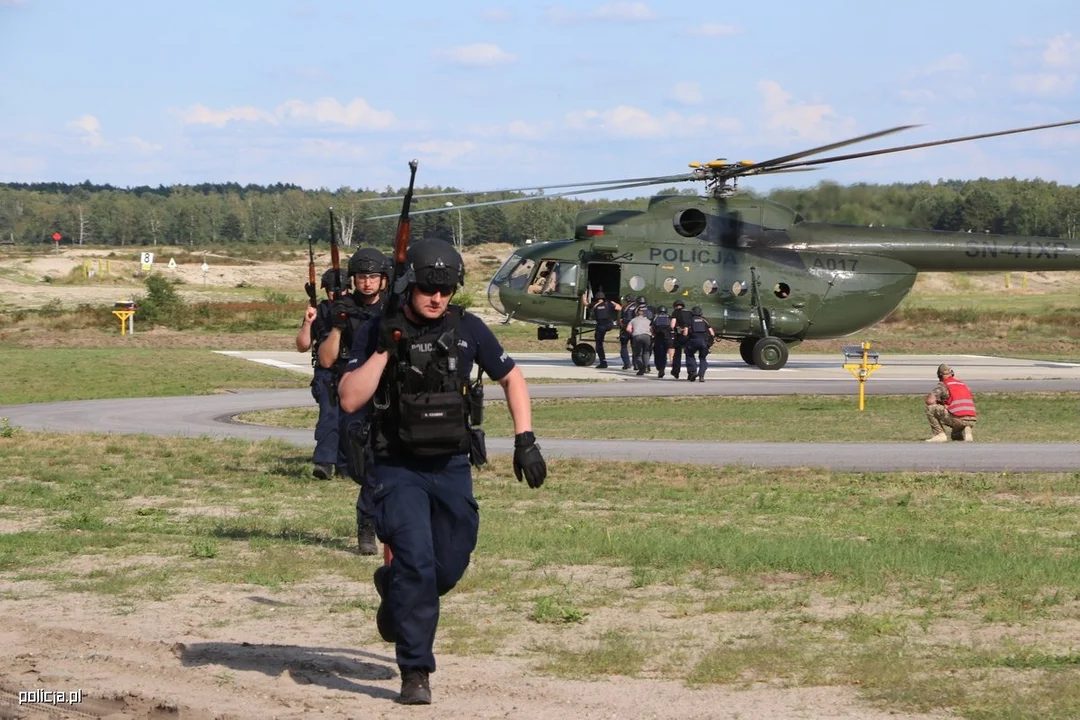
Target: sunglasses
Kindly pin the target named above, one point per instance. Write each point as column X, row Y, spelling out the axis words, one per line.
column 443, row 290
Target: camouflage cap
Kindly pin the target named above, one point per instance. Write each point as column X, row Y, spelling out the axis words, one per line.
column 943, row 370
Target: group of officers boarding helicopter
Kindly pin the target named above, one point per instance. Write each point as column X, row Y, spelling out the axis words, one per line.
column 648, row 333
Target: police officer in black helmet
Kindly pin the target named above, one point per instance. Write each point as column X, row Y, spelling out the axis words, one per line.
column 604, row 312
column 367, row 269
column 416, row 369
column 661, row 339
column 311, row 336
column 699, row 334
column 629, row 312
column 680, row 319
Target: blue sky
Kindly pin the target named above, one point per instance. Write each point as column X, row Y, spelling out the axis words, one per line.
column 490, row 95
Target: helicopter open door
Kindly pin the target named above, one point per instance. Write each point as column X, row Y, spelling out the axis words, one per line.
column 602, row 277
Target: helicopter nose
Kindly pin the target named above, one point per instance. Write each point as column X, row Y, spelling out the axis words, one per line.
column 495, row 299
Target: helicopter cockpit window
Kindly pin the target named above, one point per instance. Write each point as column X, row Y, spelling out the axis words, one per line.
column 671, row 284
column 637, row 283
column 710, row 287
column 514, row 273
column 546, row 278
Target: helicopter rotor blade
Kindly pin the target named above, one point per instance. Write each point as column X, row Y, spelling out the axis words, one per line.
column 750, row 169
column 520, row 189
column 686, row 177
column 870, row 153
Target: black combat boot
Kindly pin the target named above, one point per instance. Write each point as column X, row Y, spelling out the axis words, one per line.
column 691, row 377
column 323, row 471
column 365, row 535
column 602, row 365
column 415, row 689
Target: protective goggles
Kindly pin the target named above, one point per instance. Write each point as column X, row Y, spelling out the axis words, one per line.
column 428, row 289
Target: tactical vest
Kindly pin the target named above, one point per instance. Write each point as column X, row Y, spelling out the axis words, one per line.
column 629, row 313
column 662, row 324
column 423, row 403
column 604, row 312
column 682, row 318
column 699, row 327
column 358, row 317
column 960, row 404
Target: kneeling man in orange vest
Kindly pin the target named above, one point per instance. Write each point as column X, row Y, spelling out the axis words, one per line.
column 950, row 405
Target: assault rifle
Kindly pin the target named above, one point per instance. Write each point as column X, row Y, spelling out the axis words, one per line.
column 312, row 291
column 335, row 257
column 398, row 279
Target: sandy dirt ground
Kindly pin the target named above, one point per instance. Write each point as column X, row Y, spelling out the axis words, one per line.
column 233, row 653
column 22, row 283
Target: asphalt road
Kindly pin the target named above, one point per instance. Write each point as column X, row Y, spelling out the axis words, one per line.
column 211, row 415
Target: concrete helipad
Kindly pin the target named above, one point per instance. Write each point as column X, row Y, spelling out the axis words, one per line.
column 728, row 374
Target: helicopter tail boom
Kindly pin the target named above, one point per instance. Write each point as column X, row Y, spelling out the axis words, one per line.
column 938, row 251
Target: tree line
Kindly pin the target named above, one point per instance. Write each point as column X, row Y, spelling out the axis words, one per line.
column 229, row 213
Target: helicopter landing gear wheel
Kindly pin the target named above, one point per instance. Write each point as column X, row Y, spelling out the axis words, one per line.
column 746, row 349
column 583, row 355
column 770, row 353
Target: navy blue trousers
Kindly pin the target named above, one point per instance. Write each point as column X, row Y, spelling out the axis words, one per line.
column 326, row 429
column 602, row 329
column 426, row 513
column 696, row 350
column 364, row 499
column 661, row 343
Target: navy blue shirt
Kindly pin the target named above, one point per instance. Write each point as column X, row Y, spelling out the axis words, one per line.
column 476, row 343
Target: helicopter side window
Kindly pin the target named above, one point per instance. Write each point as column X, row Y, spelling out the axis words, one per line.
column 515, row 272
column 710, row 287
column 546, row 279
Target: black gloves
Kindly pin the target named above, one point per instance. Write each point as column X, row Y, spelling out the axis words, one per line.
column 528, row 461
column 340, row 310
column 387, row 329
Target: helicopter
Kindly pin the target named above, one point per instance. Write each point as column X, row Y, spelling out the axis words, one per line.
column 765, row 277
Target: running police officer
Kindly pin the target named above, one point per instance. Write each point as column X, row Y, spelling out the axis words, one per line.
column 604, row 312
column 367, row 268
column 661, row 339
column 680, row 319
column 699, row 334
column 415, row 367
column 629, row 312
column 313, row 333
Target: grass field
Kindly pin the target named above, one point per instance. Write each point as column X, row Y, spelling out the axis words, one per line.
column 955, row 592
column 1003, row 417
column 32, row 375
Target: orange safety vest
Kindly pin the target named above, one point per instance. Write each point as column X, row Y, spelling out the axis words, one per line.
column 960, row 401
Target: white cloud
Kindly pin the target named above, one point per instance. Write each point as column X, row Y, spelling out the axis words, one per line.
column 955, row 62
column 496, row 14
column 688, row 93
column 715, row 30
column 1062, row 51
column 626, row 121
column 331, row 149
column 527, row 131
column 1043, row 83
column 441, row 152
column 476, row 55
column 803, row 121
column 88, row 128
column 357, row 114
column 624, row 12
column 144, row 147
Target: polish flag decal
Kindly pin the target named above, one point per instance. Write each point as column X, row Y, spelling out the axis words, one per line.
column 591, row 230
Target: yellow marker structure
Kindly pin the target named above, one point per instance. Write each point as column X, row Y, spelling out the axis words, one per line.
column 862, row 370
column 125, row 310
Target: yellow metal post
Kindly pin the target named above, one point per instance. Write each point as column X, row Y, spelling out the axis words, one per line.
column 123, row 315
column 863, row 369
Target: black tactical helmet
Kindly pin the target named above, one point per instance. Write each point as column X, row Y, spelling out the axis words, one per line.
column 328, row 280
column 628, row 298
column 367, row 261
column 661, row 310
column 696, row 311
column 435, row 262
column 641, row 300
column 679, row 304
column 601, row 296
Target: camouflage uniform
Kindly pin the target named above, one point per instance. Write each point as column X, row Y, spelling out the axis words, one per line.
column 940, row 417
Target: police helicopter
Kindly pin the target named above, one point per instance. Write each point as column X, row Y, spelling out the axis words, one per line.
column 765, row 277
